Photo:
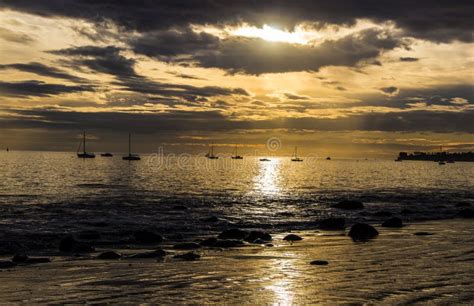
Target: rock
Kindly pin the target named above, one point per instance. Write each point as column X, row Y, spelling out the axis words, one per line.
column 153, row 254
column 269, row 245
column 208, row 242
column 423, row 234
column 383, row 213
column 393, row 222
column 179, row 207
column 362, row 232
column 109, row 255
column 463, row 204
column 332, row 224
column 6, row 264
column 254, row 235
column 67, row 244
column 83, row 248
column 233, row 234
column 259, row 241
column 212, row 219
column 466, row 213
column 292, row 237
column 228, row 243
column 147, row 237
column 188, row 256
column 349, row 205
column 187, row 246
column 20, row 258
column 319, row 263
column 89, row 235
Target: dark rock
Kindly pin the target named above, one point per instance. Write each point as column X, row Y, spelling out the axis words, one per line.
column 466, row 213
column 319, row 263
column 177, row 236
column 37, row 260
column 109, row 255
column 228, row 243
column 383, row 213
column 84, row 248
column 147, row 237
column 254, row 235
column 67, row 244
column 423, row 234
column 6, row 264
column 20, row 258
column 188, row 256
column 292, row 237
column 187, row 246
column 393, row 222
column 89, row 235
column 208, row 242
column 462, row 204
column 212, row 219
column 362, row 232
column 179, row 207
column 349, row 205
column 269, row 245
column 233, row 234
column 332, row 224
column 259, row 241
column 153, row 254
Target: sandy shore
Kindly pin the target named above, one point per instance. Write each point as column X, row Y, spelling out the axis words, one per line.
column 398, row 267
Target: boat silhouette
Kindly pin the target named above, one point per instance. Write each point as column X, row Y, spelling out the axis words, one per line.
column 210, row 154
column 236, row 156
column 84, row 153
column 131, row 156
column 295, row 156
column 107, row 154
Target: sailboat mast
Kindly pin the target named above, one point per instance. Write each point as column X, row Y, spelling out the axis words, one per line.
column 84, row 141
column 129, row 144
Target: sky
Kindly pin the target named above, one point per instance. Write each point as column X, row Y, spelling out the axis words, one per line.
column 341, row 78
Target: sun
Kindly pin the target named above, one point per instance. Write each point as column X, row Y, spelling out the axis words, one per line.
column 270, row 33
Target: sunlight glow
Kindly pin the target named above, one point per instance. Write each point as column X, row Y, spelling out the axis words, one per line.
column 272, row 34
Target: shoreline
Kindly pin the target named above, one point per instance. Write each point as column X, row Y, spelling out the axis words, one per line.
column 395, row 267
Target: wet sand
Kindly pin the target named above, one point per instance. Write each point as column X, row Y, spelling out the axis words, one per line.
column 398, row 267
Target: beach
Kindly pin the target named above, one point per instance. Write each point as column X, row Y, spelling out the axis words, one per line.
column 397, row 267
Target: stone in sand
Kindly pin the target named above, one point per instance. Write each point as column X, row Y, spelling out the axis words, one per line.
column 234, row 233
column 188, row 256
column 228, row 243
column 147, row 237
column 466, row 213
column 153, row 254
column 349, row 205
column 319, row 263
column 187, row 246
column 20, row 258
column 292, row 237
column 23, row 258
column 6, row 264
column 109, row 255
column 254, row 235
column 362, row 232
column 332, row 224
column 208, row 242
column 393, row 222
column 423, row 234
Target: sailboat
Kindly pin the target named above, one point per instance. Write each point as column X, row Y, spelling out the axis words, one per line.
column 106, row 154
column 84, row 154
column 295, row 156
column 210, row 154
column 130, row 156
column 236, row 156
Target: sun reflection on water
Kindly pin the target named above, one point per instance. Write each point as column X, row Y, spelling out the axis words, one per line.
column 267, row 180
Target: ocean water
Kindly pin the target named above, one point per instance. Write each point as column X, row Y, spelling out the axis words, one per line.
column 53, row 193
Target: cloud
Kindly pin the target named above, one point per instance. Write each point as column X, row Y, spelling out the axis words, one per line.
column 43, row 70
column 446, row 21
column 257, row 56
column 409, row 59
column 38, row 89
column 15, row 37
column 390, row 91
column 459, row 101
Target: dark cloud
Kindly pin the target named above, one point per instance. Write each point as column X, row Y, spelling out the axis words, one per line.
column 43, row 70
column 409, row 59
column 442, row 21
column 16, row 37
column 391, row 90
column 38, row 89
column 295, row 97
column 257, row 56
column 101, row 59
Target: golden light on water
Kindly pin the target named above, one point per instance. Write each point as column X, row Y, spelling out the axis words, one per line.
column 267, row 180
